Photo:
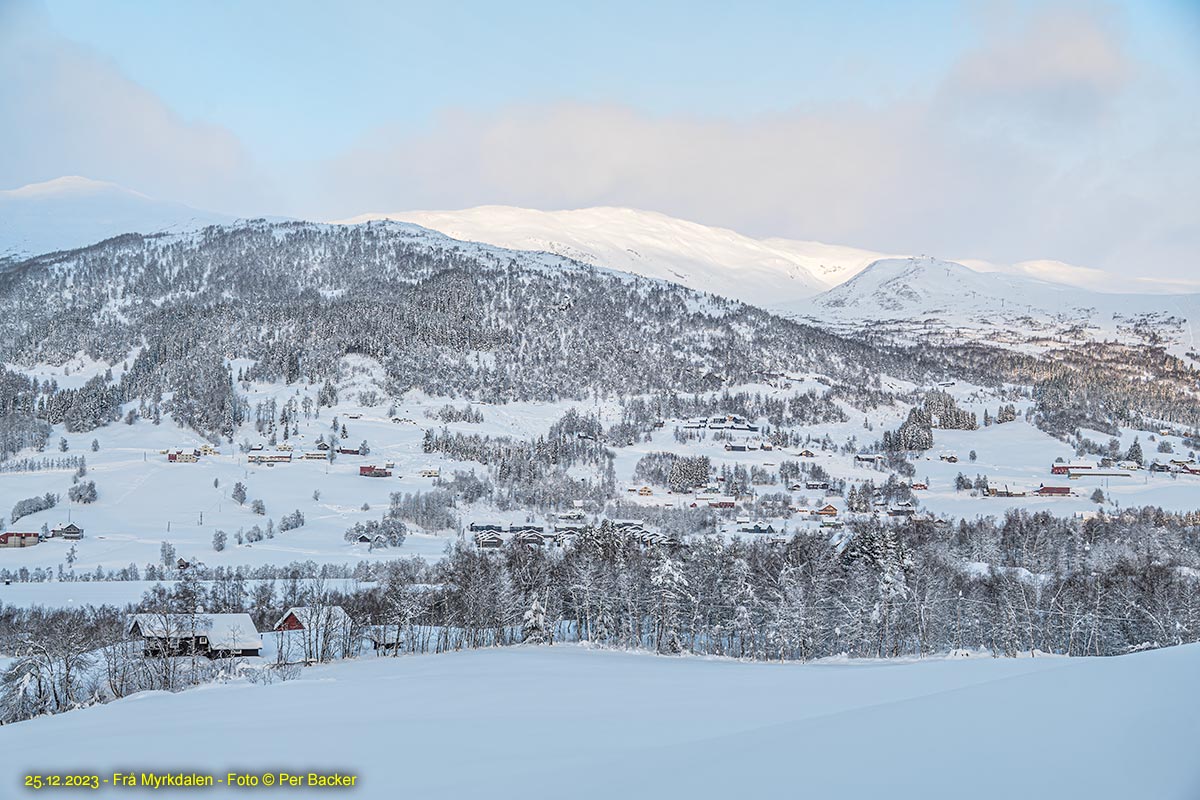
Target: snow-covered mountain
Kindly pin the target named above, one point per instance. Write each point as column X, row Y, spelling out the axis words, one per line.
column 929, row 296
column 71, row 212
column 776, row 274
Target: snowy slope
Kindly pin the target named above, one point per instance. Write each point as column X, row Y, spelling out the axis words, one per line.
column 71, row 212
column 560, row 721
column 770, row 273
column 935, row 295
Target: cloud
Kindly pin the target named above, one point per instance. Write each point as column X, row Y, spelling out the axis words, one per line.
column 69, row 111
column 1065, row 64
column 1021, row 152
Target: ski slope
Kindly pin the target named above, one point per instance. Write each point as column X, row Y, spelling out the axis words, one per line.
column 564, row 721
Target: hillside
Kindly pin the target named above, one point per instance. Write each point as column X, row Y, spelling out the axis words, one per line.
column 71, row 212
column 544, row 722
column 444, row 316
column 775, row 274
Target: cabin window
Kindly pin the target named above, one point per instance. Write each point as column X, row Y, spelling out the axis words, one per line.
column 203, row 640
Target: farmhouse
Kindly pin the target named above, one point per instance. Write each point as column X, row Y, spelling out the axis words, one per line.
column 1053, row 491
column 211, row 635
column 721, row 502
column 827, row 511
column 807, row 454
column 315, row 456
column 645, row 491
column 1067, row 469
column 322, row 446
column 920, row 487
column 180, row 457
column 476, row 527
column 822, row 485
column 735, row 448
column 757, row 527
column 867, row 458
column 430, row 472
column 68, row 531
column 349, row 451
column 18, row 539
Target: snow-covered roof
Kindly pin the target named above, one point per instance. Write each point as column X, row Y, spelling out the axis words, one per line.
column 329, row 616
column 224, row 631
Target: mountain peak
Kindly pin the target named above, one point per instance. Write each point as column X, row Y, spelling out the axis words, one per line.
column 74, row 211
column 69, row 185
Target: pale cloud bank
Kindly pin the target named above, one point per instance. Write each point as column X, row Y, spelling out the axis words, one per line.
column 1047, row 142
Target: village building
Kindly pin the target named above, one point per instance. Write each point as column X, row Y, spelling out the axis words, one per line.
column 1053, row 491
column 827, row 511
column 314, row 634
column 19, row 539
column 488, row 540
column 384, row 637
column 210, row 635
column 529, row 537
column 70, row 531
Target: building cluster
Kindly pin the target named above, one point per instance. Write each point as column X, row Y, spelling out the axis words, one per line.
column 69, row 532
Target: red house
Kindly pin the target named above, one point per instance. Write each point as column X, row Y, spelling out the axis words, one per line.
column 18, row 539
column 1067, row 469
column 374, row 472
column 1053, row 491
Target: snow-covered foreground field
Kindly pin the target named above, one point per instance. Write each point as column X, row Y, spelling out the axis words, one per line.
column 570, row 722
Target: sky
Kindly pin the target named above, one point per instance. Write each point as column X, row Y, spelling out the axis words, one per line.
column 1000, row 131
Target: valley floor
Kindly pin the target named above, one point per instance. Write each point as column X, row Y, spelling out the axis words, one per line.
column 567, row 721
